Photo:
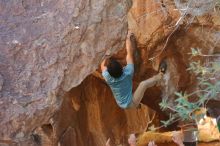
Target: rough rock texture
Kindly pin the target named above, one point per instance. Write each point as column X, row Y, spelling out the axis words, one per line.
column 47, row 47
column 89, row 116
column 164, row 32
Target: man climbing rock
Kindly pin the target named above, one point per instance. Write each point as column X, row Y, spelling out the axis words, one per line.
column 120, row 79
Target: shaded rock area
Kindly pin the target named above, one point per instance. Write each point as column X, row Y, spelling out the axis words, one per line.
column 51, row 92
column 89, row 116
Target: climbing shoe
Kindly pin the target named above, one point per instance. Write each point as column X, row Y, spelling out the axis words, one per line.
column 163, row 66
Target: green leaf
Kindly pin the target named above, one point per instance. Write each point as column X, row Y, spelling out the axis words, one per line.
column 216, row 65
column 165, row 123
column 178, row 94
column 163, row 104
column 152, row 128
column 195, row 52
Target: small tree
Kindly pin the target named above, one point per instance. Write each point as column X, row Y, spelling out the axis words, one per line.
column 208, row 89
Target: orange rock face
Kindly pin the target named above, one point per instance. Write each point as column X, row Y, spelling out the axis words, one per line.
column 163, row 32
column 96, row 116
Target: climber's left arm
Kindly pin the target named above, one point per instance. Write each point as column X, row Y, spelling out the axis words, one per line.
column 103, row 67
column 130, row 47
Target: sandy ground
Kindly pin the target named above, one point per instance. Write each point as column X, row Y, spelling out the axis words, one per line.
column 200, row 144
column 208, row 136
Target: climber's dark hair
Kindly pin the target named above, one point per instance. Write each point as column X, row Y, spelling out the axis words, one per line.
column 114, row 68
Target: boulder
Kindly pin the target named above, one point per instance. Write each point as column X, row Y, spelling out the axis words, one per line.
column 48, row 47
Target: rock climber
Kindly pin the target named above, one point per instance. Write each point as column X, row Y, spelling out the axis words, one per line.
column 120, row 79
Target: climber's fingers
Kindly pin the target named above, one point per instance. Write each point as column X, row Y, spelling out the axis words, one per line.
column 130, row 33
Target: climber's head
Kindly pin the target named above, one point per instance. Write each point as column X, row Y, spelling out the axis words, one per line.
column 114, row 68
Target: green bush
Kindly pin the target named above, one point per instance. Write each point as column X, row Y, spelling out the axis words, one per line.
column 208, row 89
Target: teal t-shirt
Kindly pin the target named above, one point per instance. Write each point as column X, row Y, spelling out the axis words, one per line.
column 121, row 87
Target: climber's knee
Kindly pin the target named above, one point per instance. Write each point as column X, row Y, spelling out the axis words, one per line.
column 133, row 104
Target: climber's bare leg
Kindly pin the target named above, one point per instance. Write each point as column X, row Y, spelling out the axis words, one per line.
column 139, row 92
